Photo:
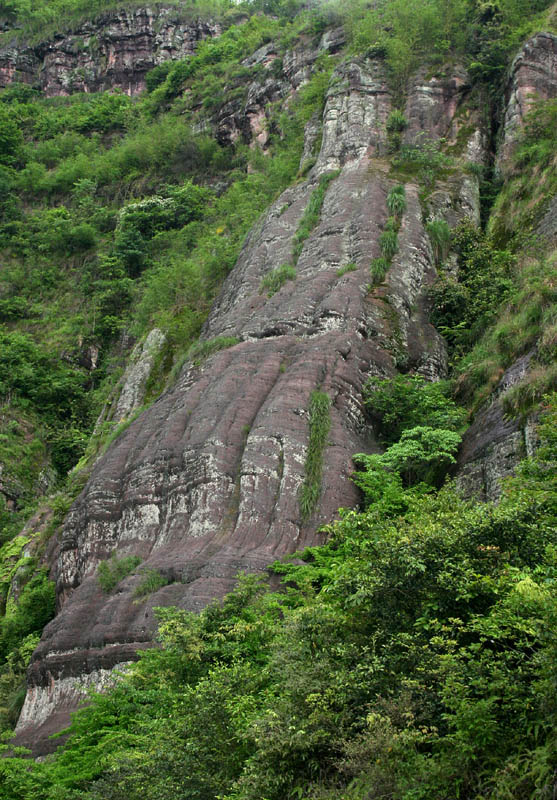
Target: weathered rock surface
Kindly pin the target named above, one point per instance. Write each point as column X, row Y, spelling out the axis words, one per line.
column 533, row 77
column 115, row 50
column 248, row 117
column 205, row 483
column 494, row 444
column 138, row 371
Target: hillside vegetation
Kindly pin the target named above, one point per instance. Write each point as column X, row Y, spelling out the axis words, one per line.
column 412, row 656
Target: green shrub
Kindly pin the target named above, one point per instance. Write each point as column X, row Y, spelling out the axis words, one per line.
column 396, row 121
column 11, row 139
column 275, row 280
column 378, row 269
column 423, row 454
column 463, row 311
column 388, row 242
column 35, row 608
column 151, row 581
column 407, row 401
column 350, row 267
column 199, row 351
column 396, row 201
column 111, row 572
column 440, row 237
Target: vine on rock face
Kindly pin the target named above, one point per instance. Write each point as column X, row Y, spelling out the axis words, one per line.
column 319, row 426
column 388, row 240
column 312, row 213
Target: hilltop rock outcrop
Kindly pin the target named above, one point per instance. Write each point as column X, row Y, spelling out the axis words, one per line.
column 206, row 482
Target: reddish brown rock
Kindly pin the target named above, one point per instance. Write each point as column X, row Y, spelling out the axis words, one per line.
column 115, row 50
column 533, row 77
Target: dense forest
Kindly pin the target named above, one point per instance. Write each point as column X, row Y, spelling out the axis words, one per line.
column 412, row 655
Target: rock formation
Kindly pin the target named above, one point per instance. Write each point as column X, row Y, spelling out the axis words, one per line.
column 532, row 77
column 115, row 50
column 206, row 482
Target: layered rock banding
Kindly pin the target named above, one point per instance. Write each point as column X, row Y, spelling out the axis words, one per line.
column 532, row 77
column 206, row 482
column 116, row 50
column 494, row 444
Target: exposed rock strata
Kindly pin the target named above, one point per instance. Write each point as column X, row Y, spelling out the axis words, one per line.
column 533, row 77
column 115, row 50
column 248, row 117
column 205, row 483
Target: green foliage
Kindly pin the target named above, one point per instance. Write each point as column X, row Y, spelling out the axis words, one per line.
column 312, row 213
column 496, row 31
column 463, row 310
column 33, row 379
column 398, row 404
column 229, row 48
column 410, row 655
column 531, row 178
column 527, row 321
column 319, row 426
column 423, row 159
column 396, row 201
column 275, row 280
column 111, row 572
column 35, row 607
column 201, row 350
column 423, row 427
column 396, row 121
column 151, row 581
column 11, row 139
column 13, row 683
column 378, row 269
column 388, row 242
column 422, row 453
column 349, row 267
column 440, row 237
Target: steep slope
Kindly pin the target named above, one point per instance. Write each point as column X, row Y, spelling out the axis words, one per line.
column 496, row 441
column 207, row 481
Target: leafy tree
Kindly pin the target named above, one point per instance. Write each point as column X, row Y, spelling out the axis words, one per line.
column 406, row 401
column 463, row 310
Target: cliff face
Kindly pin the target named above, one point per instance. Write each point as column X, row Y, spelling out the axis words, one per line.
column 533, row 77
column 206, row 482
column 494, row 444
column 115, row 50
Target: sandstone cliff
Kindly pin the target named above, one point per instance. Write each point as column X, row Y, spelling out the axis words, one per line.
column 206, row 482
column 114, row 51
